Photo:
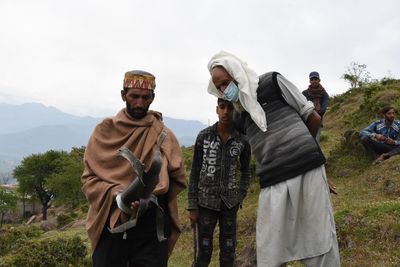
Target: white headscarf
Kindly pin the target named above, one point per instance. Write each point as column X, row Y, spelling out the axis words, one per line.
column 247, row 82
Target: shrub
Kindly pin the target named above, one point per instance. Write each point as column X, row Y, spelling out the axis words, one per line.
column 64, row 219
column 69, row 251
column 12, row 238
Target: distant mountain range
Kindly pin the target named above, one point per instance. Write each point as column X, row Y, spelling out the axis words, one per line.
column 34, row 128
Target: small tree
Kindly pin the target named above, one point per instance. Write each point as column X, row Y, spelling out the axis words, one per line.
column 67, row 184
column 35, row 171
column 356, row 74
column 8, row 202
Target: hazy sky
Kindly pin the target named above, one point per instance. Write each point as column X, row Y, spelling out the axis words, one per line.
column 73, row 54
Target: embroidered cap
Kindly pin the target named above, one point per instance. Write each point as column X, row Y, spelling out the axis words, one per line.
column 139, row 79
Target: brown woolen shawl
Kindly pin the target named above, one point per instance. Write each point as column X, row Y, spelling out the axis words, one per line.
column 106, row 173
column 316, row 94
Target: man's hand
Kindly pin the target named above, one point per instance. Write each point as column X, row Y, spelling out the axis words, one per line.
column 124, row 217
column 193, row 216
column 313, row 122
column 380, row 137
column 135, row 205
column 332, row 188
column 389, row 141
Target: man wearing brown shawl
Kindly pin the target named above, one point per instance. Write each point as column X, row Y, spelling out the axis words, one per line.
column 106, row 174
column 317, row 94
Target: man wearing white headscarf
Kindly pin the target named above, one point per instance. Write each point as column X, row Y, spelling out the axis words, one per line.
column 295, row 218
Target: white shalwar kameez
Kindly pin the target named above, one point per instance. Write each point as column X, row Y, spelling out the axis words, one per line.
column 295, row 218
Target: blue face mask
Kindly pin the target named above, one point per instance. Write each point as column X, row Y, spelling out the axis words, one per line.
column 231, row 92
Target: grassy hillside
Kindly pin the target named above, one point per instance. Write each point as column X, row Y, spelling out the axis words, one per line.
column 367, row 206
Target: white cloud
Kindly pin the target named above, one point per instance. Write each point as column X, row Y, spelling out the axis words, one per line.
column 73, row 54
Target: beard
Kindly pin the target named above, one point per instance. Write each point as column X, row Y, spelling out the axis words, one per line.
column 389, row 119
column 136, row 113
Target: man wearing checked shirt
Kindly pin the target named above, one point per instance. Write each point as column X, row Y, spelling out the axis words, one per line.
column 380, row 138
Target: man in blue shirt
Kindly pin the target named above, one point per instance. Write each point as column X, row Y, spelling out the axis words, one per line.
column 380, row 138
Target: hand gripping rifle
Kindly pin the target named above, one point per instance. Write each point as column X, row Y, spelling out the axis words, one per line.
column 141, row 189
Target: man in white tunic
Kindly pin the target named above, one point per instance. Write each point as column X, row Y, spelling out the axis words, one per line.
column 295, row 217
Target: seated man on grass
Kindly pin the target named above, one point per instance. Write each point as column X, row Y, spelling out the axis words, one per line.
column 380, row 138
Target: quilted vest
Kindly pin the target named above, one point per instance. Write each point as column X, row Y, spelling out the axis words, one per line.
column 287, row 148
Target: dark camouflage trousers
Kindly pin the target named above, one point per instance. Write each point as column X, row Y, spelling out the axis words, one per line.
column 204, row 232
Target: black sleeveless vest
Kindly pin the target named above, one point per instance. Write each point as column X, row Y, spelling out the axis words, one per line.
column 287, row 148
